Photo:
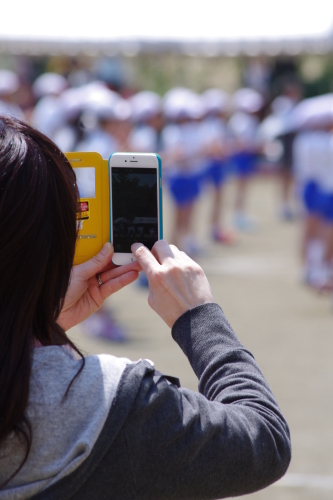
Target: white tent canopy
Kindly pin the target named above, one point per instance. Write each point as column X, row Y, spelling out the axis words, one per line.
column 212, row 26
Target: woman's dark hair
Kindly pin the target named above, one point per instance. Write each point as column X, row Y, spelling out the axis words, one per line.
column 38, row 201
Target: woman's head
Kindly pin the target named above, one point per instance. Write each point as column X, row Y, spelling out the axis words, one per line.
column 38, row 201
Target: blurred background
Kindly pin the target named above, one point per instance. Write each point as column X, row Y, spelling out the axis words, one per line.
column 238, row 101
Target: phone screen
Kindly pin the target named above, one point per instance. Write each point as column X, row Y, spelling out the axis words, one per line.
column 134, row 207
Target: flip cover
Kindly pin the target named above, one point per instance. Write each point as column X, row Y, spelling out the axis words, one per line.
column 93, row 214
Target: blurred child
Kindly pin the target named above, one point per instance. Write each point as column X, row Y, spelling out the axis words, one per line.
column 48, row 115
column 106, row 121
column 147, row 121
column 215, row 150
column 9, row 86
column 243, row 125
column 145, row 136
column 313, row 173
column 183, row 165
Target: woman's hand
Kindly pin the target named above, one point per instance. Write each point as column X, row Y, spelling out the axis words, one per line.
column 176, row 282
column 85, row 295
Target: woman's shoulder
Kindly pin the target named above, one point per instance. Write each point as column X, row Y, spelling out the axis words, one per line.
column 55, row 367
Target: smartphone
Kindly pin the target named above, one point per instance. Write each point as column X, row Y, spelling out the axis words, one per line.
column 135, row 202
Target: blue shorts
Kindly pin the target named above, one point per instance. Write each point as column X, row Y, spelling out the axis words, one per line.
column 184, row 188
column 244, row 163
column 312, row 198
column 215, row 172
column 327, row 207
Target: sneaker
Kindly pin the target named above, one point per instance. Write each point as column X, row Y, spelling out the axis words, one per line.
column 192, row 247
column 319, row 280
column 286, row 214
column 244, row 223
column 224, row 237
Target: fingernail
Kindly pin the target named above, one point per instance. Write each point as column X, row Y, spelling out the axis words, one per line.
column 135, row 246
column 107, row 249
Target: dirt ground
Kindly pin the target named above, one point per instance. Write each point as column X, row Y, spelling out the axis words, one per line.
column 287, row 327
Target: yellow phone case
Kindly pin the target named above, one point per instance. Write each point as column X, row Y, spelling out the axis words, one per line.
column 93, row 216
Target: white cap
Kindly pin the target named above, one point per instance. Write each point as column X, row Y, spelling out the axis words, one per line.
column 98, row 99
column 104, row 103
column 145, row 105
column 123, row 110
column 215, row 101
column 93, row 97
column 49, row 84
column 71, row 102
column 247, row 100
column 9, row 82
column 313, row 112
column 181, row 102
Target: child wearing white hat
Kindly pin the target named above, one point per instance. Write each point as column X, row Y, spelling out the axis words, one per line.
column 243, row 126
column 326, row 186
column 215, row 149
column 313, row 171
column 147, row 122
column 183, row 164
column 9, row 85
column 48, row 115
column 105, row 118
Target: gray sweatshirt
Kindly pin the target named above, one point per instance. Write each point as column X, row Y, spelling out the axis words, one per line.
column 125, row 431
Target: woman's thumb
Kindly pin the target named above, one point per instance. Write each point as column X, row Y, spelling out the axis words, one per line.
column 96, row 263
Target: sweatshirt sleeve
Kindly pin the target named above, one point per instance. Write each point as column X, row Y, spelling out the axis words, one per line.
column 228, row 439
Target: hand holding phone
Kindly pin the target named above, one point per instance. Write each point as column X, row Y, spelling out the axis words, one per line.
column 176, row 283
column 85, row 294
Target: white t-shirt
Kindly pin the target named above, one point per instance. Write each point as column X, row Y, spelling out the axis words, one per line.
column 211, row 130
column 143, row 139
column 244, row 129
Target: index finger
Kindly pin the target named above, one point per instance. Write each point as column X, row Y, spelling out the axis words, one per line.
column 145, row 258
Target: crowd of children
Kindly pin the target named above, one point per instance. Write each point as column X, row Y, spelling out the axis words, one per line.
column 305, row 130
column 204, row 139
column 200, row 137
